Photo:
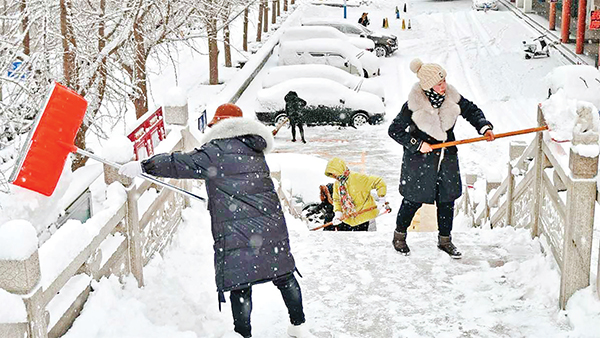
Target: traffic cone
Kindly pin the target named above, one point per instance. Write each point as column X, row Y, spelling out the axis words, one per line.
column 403, row 24
column 385, row 23
column 408, row 23
column 405, row 7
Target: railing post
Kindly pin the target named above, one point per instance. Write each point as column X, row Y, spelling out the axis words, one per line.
column 581, row 201
column 177, row 111
column 21, row 276
column 509, row 195
column 134, row 236
column 539, row 171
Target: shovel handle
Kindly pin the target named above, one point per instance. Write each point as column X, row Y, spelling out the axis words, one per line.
column 145, row 176
column 343, row 218
column 482, row 138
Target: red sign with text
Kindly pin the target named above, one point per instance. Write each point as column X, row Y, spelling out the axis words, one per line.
column 595, row 20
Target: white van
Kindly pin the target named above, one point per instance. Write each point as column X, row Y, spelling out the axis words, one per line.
column 317, row 32
column 333, row 52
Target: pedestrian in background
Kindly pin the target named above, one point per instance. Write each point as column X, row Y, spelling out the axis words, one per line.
column 431, row 176
column 293, row 109
column 364, row 19
column 251, row 243
column 352, row 195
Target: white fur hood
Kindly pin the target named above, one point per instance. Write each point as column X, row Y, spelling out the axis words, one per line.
column 239, row 126
column 434, row 121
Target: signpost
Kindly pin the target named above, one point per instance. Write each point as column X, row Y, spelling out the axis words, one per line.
column 344, row 9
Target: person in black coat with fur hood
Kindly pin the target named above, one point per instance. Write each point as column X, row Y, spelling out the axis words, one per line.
column 431, row 176
column 251, row 243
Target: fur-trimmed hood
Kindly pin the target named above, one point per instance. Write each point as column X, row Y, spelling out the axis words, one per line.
column 434, row 122
column 239, row 126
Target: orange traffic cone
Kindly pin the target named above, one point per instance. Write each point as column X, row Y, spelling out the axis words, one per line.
column 403, row 24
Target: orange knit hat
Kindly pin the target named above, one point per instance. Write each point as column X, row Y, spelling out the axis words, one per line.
column 226, row 111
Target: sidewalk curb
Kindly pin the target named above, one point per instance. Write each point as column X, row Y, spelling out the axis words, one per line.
column 557, row 44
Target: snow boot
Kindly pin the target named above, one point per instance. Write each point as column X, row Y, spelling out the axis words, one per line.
column 299, row 331
column 445, row 244
column 399, row 243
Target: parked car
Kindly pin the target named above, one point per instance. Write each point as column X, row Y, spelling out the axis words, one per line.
column 280, row 74
column 385, row 45
column 312, row 32
column 484, row 5
column 337, row 53
column 327, row 102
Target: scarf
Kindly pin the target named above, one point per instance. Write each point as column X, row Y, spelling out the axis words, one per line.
column 436, row 99
column 348, row 208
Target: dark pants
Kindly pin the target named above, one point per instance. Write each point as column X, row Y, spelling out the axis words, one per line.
column 241, row 304
column 300, row 128
column 346, row 227
column 445, row 216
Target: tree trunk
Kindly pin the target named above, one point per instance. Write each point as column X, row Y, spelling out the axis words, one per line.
column 266, row 16
column 226, row 45
column 70, row 76
column 245, row 38
column 278, row 7
column 292, row 2
column 68, row 45
column 25, row 25
column 274, row 12
column 260, row 22
column 285, row 5
column 213, row 52
column 139, row 73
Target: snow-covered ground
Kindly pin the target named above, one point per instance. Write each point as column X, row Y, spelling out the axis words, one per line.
column 355, row 284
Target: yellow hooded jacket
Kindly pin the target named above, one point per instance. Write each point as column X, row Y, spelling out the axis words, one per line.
column 359, row 188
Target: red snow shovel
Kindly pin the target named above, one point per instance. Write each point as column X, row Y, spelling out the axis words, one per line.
column 50, row 141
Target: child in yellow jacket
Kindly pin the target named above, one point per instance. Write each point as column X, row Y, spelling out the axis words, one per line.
column 352, row 195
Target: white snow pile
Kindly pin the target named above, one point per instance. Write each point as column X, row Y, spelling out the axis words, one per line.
column 39, row 210
column 573, row 103
column 176, row 97
column 18, row 240
column 12, row 309
column 118, row 149
column 563, row 114
column 580, row 82
column 302, row 174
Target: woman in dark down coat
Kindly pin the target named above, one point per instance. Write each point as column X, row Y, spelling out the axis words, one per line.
column 251, row 241
column 428, row 176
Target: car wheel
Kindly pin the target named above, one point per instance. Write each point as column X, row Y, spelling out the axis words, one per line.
column 280, row 118
column 365, row 73
column 359, row 119
column 380, row 51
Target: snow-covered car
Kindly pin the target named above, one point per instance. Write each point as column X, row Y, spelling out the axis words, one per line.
column 280, row 74
column 385, row 45
column 312, row 32
column 484, row 5
column 337, row 53
column 327, row 102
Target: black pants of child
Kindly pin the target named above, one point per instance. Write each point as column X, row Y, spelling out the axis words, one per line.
column 241, row 303
column 346, row 227
column 445, row 216
column 300, row 128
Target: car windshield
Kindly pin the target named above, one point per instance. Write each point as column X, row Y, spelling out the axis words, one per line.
column 366, row 30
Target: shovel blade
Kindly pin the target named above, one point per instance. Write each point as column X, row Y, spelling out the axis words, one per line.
column 50, row 141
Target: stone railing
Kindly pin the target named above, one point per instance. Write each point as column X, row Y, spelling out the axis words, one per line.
column 125, row 239
column 553, row 192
